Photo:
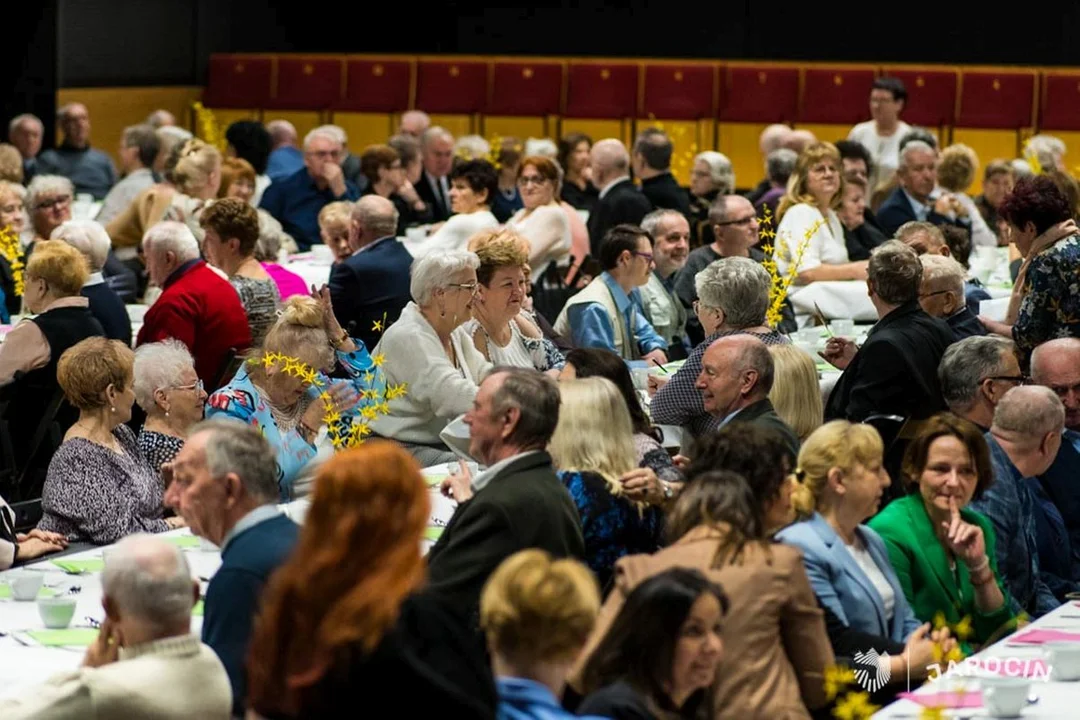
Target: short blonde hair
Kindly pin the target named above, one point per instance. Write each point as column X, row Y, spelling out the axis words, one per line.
column 498, row 248
column 595, row 433
column 957, row 168
column 11, row 167
column 336, row 216
column 836, row 444
column 300, row 332
column 196, row 162
column 61, row 266
column 537, row 609
column 796, row 393
column 87, row 369
column 798, row 190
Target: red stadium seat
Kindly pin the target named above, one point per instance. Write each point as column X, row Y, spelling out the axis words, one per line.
column 526, row 88
column 835, row 95
column 681, row 92
column 602, row 90
column 1060, row 101
column 238, row 81
column 376, row 86
column 759, row 94
column 307, row 83
column 444, row 86
column 1001, row 100
column 931, row 95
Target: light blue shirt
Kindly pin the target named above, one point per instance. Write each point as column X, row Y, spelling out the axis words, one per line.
column 921, row 211
column 253, row 518
column 590, row 325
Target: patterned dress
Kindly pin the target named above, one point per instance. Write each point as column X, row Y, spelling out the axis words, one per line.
column 1051, row 305
column 260, row 299
column 159, row 448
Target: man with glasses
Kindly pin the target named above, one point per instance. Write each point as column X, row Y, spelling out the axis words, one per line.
column 91, row 171
column 605, row 314
column 941, row 295
column 297, row 199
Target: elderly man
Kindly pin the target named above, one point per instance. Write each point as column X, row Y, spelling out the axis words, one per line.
column 414, row 123
column 620, row 202
column 778, row 168
column 90, row 170
column 917, row 198
column 1024, row 440
column 605, row 314
column 160, row 118
column 975, row 373
column 661, row 306
column 1056, row 365
column 941, row 295
column 882, row 133
column 297, row 199
column 26, row 132
column 225, row 486
column 652, row 165
column 735, row 379
column 350, row 163
column 437, row 157
column 197, row 306
column 926, row 238
column 90, row 239
column 518, row 502
column 145, row 662
column 772, row 138
column 895, row 371
column 373, row 283
column 733, row 299
column 285, row 157
column 139, row 146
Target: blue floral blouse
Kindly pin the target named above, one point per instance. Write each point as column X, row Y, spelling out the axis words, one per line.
column 242, row 401
column 1051, row 305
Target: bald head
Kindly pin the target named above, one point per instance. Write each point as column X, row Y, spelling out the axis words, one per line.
column 799, row 140
column 415, row 123
column 742, row 353
column 160, row 118
column 373, row 217
column 1056, row 364
column 1028, row 423
column 773, row 137
column 282, row 133
column 609, row 160
column 147, row 582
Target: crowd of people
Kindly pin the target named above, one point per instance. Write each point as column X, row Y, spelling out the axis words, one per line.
column 923, row 505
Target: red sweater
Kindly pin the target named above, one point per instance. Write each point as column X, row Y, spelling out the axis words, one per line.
column 202, row 310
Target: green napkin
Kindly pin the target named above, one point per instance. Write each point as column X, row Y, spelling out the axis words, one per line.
column 433, row 533
column 185, row 541
column 434, row 480
column 5, row 592
column 67, row 637
column 198, row 609
column 80, row 566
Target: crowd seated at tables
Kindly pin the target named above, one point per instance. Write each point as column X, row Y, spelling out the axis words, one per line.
column 637, row 538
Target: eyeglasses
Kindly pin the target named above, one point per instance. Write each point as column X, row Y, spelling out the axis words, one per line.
column 471, row 287
column 700, row 307
column 325, row 154
column 648, row 256
column 741, row 221
column 526, row 180
column 55, row 202
column 194, row 386
column 932, row 294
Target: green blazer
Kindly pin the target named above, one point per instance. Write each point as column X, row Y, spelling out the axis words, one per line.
column 923, row 568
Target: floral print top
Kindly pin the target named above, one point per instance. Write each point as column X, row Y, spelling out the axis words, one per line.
column 1051, row 305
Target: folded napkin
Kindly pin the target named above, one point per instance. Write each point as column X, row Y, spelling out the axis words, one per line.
column 1038, row 637
column 67, row 637
column 433, row 533
column 184, row 541
column 80, row 566
column 198, row 609
column 948, row 700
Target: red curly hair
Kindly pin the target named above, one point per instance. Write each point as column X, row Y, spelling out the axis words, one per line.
column 357, row 560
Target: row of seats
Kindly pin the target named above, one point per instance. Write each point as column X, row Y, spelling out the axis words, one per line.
column 674, row 90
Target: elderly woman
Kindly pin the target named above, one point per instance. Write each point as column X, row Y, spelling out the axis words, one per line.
column 335, row 219
column 48, row 199
column 860, row 237
column 841, row 481
column 998, row 180
column 100, row 487
column 1046, row 150
column 271, row 393
column 232, row 231
column 542, row 221
column 90, row 239
column 810, row 233
column 473, row 185
column 172, row 396
column 577, row 188
column 238, row 180
column 385, row 172
column 508, row 200
column 956, row 170
column 442, row 370
column 943, row 553
column 796, row 391
column 499, row 329
column 11, row 164
column 12, row 218
column 1044, row 303
column 711, row 176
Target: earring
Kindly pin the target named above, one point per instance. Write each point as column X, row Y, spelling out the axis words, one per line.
column 113, row 409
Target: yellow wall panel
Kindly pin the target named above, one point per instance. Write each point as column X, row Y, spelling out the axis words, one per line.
column 598, row 129
column 458, row 125
column 521, row 128
column 739, row 141
column 365, row 129
column 689, row 138
column 988, row 144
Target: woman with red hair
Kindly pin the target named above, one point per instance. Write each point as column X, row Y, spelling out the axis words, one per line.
column 342, row 626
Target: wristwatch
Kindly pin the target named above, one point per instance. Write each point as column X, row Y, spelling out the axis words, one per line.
column 669, row 492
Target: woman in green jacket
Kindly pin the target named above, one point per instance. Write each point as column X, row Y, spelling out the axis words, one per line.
column 942, row 552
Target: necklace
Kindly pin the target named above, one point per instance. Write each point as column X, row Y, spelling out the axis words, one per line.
column 285, row 418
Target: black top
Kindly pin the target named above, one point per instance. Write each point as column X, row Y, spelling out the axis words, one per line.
column 438, row 205
column 623, row 203
column 7, row 282
column 759, row 191
column 580, row 199
column 108, row 308
column 701, row 230
column 861, row 241
column 620, row 701
column 964, row 324
column 368, row 285
column 664, row 192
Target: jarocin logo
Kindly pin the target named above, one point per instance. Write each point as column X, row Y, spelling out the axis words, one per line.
column 872, row 671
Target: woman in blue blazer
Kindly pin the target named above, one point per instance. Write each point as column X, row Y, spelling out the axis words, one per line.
column 841, row 480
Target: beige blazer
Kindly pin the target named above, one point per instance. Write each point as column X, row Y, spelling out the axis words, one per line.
column 775, row 645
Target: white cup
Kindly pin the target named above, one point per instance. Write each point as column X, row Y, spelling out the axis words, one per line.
column 56, row 612
column 1064, row 659
column 1004, row 697
column 641, row 378
column 26, row 585
column 843, row 328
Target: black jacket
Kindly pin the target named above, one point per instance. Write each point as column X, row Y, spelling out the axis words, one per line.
column 897, row 210
column 964, row 324
column 861, row 241
column 663, row 191
column 440, row 210
column 623, row 203
column 763, row 414
column 368, row 285
column 895, row 371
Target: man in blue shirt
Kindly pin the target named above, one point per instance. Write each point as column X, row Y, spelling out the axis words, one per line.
column 285, row 158
column 225, row 486
column 605, row 314
column 90, row 171
column 297, row 199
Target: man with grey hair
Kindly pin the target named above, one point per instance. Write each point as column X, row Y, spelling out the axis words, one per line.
column 917, row 196
column 652, row 165
column 414, row 123
column 197, row 306
column 373, row 282
column 1024, row 440
column 772, row 138
column 895, row 371
column 732, row 299
column 25, row 132
column 941, row 295
column 145, row 662
column 91, row 171
column 437, row 158
column 350, row 162
column 295, row 200
column 1056, row 364
column 659, row 303
column 139, row 146
column 225, row 485
column 975, row 373
column 778, row 168
column 517, row 502
column 160, row 118
column 285, row 157
column 90, row 239
column 620, row 202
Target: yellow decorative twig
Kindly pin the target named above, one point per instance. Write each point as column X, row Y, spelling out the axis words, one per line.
column 209, row 127
column 11, row 249
column 778, row 290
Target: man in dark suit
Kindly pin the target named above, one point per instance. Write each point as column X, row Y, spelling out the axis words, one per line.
column 917, row 196
column 372, row 285
column 652, row 163
column 941, row 295
column 620, row 200
column 437, row 155
column 518, row 502
column 735, row 380
column 895, row 371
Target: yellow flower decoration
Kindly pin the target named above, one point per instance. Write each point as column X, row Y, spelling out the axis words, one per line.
column 209, row 127
column 778, row 291
column 370, row 412
column 855, row 706
column 378, row 360
column 932, row 713
column 837, row 678
column 963, row 630
column 11, row 249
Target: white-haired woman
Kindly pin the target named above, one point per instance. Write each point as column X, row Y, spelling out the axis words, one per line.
column 442, row 369
column 712, row 176
column 1047, row 150
column 90, row 238
column 172, row 396
column 48, row 199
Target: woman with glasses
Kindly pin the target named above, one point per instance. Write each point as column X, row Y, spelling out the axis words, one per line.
column 810, row 234
column 171, row 395
column 48, row 198
column 542, row 221
column 385, row 173
column 441, row 369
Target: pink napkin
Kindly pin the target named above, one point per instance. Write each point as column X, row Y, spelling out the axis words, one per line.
column 1038, row 637
column 949, row 700
column 1027, row 668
